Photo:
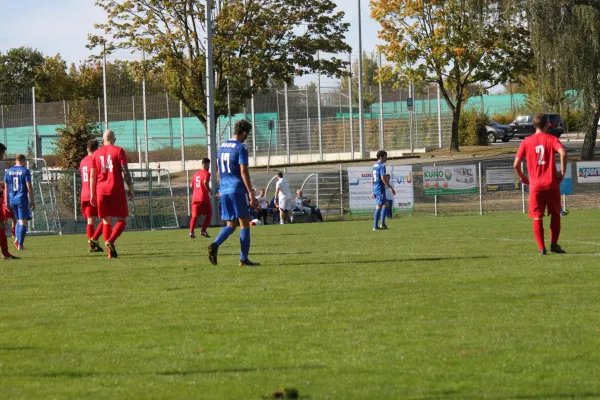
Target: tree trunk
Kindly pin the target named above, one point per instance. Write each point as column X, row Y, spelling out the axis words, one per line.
column 455, row 122
column 589, row 142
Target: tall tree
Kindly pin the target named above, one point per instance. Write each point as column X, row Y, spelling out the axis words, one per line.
column 453, row 43
column 568, row 50
column 18, row 68
column 252, row 39
column 370, row 71
column 52, row 81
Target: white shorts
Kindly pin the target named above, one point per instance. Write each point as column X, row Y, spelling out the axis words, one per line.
column 285, row 204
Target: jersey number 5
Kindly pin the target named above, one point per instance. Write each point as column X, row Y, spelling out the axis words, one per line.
column 539, row 150
column 198, row 182
column 108, row 165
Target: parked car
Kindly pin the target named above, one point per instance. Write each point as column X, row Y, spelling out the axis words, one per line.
column 496, row 131
column 522, row 126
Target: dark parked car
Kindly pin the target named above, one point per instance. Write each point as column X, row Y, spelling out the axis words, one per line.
column 522, row 126
column 496, row 131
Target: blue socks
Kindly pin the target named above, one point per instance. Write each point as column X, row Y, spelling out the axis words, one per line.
column 245, row 244
column 21, row 231
column 377, row 216
column 223, row 235
column 384, row 212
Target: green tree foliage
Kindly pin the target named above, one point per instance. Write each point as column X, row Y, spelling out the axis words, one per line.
column 71, row 144
column 52, row 80
column 18, row 69
column 567, row 52
column 251, row 40
column 370, row 69
column 453, row 43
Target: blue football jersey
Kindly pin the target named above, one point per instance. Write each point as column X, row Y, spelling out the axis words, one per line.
column 232, row 154
column 15, row 180
column 378, row 173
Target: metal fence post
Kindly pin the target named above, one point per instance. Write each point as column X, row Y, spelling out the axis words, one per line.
column 317, row 188
column 361, row 120
column 182, row 135
column 74, row 197
column 350, row 108
column 480, row 191
column 411, row 114
column 439, row 112
column 65, row 110
column 523, row 190
column 150, row 210
column 135, row 133
column 253, row 124
column 147, row 159
column 341, row 193
column 4, row 126
column 229, row 108
column 435, row 200
column 170, row 120
column 287, row 122
column 36, row 150
column 319, row 121
column 381, row 136
column 99, row 112
column 187, row 179
column 104, row 88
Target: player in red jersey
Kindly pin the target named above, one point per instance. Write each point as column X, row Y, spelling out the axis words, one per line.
column 3, row 211
column 89, row 211
column 107, row 190
column 201, row 199
column 544, row 180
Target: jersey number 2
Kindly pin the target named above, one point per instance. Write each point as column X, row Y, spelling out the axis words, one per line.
column 106, row 166
column 539, row 149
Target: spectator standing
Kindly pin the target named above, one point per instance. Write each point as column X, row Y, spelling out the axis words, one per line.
column 283, row 197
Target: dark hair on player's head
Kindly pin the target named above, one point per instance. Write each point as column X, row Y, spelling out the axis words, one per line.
column 540, row 121
column 21, row 158
column 280, row 174
column 242, row 126
column 2, row 148
column 93, row 145
column 381, row 154
column 205, row 160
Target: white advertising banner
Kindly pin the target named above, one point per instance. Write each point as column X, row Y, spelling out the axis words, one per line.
column 449, row 180
column 360, row 181
column 588, row 172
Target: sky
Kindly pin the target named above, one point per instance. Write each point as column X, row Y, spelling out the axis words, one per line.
column 62, row 26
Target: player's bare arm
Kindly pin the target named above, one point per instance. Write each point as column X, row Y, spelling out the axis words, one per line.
column 386, row 182
column 128, row 181
column 519, row 171
column 31, row 196
column 207, row 185
column 246, row 178
column 563, row 164
column 92, row 186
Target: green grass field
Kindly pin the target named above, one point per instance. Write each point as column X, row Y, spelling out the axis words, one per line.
column 452, row 307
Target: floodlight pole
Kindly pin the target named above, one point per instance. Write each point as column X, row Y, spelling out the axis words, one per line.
column 104, row 88
column 361, row 121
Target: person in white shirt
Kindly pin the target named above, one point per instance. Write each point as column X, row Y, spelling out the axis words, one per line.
column 262, row 206
column 283, row 196
column 390, row 199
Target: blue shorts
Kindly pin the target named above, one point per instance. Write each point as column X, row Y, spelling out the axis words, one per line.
column 380, row 199
column 21, row 211
column 234, row 206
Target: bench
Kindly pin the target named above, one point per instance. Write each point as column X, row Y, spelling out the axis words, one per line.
column 301, row 217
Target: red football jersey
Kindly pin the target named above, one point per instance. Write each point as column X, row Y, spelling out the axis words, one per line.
column 538, row 151
column 199, row 185
column 108, row 162
column 85, row 169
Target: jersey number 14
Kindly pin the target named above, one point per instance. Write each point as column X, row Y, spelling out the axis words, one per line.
column 108, row 165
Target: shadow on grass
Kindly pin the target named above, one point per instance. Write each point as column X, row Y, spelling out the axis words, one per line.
column 17, row 348
column 238, row 370
column 380, row 261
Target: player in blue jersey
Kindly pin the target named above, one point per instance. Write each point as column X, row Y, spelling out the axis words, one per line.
column 236, row 193
column 380, row 182
column 19, row 196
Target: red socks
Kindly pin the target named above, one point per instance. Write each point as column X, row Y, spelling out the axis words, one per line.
column 89, row 230
column 117, row 231
column 106, row 231
column 98, row 232
column 14, row 227
column 554, row 229
column 193, row 224
column 4, row 243
column 538, row 232
column 206, row 222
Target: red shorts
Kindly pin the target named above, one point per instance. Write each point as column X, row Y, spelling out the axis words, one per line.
column 9, row 214
column 540, row 200
column 88, row 210
column 201, row 208
column 3, row 213
column 112, row 205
